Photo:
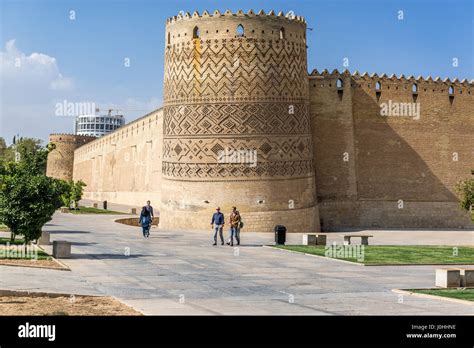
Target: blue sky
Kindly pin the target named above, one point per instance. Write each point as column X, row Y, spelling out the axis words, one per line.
column 83, row 59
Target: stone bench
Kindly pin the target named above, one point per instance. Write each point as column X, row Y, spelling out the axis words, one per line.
column 61, row 249
column 448, row 277
column 467, row 278
column 314, row 239
column 454, row 277
column 364, row 238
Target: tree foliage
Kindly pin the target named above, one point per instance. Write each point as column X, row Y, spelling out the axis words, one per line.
column 466, row 190
column 73, row 194
column 28, row 198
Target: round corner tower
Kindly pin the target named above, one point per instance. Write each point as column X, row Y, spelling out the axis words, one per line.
column 61, row 160
column 236, row 122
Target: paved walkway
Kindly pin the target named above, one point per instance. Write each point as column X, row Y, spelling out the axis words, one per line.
column 181, row 273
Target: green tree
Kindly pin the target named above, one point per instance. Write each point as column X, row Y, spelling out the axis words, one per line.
column 77, row 191
column 27, row 202
column 3, row 147
column 26, row 149
column 28, row 198
column 466, row 189
column 74, row 193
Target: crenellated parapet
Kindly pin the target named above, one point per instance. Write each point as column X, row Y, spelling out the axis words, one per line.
column 261, row 14
column 238, row 28
column 400, row 80
column 70, row 138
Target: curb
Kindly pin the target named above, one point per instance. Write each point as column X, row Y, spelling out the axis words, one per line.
column 62, row 264
column 30, row 293
column 63, row 267
column 33, row 266
column 318, row 256
column 433, row 297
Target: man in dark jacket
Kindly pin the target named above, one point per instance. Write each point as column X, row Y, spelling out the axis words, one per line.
column 217, row 224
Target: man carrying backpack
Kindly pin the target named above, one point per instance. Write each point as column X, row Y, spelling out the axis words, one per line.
column 235, row 222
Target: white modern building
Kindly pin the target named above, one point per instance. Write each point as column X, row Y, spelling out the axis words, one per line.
column 98, row 125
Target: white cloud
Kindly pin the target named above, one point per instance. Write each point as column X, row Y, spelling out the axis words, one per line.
column 61, row 84
column 36, row 69
column 29, row 85
column 32, row 84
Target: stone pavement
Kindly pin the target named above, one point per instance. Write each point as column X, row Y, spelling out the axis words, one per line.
column 180, row 272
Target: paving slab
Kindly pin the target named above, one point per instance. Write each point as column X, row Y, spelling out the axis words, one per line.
column 153, row 274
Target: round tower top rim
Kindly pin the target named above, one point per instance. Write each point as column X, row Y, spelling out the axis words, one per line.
column 71, row 135
column 271, row 14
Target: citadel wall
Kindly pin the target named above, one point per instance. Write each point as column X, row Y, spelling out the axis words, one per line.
column 125, row 165
column 394, row 171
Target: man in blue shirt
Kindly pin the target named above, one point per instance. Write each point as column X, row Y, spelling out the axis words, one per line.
column 217, row 224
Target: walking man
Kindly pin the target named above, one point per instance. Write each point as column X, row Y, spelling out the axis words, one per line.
column 150, row 209
column 145, row 221
column 217, row 224
column 234, row 222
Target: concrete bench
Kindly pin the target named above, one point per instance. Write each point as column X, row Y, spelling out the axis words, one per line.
column 314, row 239
column 61, row 249
column 364, row 238
column 467, row 278
column 448, row 277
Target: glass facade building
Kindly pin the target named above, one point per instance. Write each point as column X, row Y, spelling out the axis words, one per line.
column 98, row 125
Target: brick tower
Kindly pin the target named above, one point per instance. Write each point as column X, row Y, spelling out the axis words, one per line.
column 236, row 121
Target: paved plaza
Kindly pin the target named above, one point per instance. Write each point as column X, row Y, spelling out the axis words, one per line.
column 181, row 273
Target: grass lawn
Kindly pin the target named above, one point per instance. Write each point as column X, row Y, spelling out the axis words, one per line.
column 461, row 294
column 393, row 254
column 90, row 210
column 16, row 242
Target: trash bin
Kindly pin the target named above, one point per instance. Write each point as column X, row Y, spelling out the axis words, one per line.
column 280, row 234
column 105, row 205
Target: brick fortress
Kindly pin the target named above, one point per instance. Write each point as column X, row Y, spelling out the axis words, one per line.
column 322, row 152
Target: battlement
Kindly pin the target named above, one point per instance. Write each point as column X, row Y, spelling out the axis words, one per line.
column 384, row 77
column 205, row 15
column 70, row 138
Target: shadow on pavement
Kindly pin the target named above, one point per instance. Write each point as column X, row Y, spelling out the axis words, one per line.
column 67, row 232
column 105, row 256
